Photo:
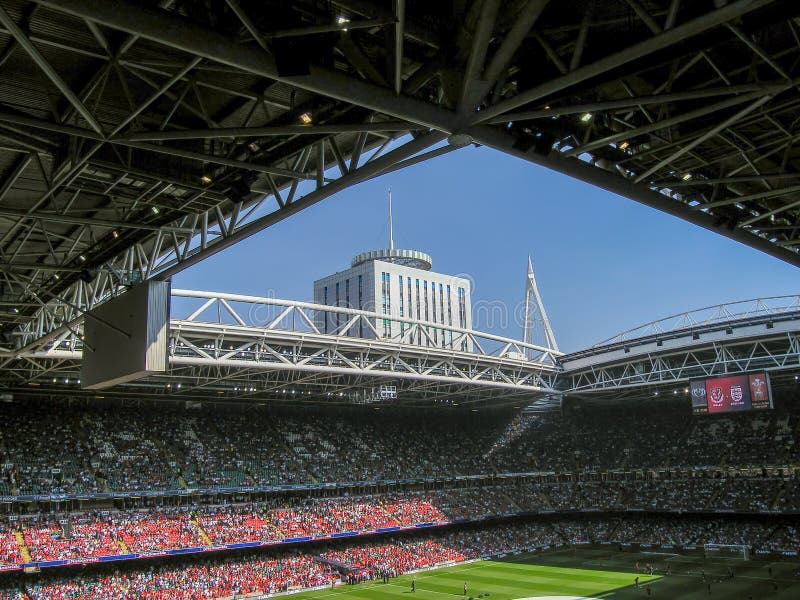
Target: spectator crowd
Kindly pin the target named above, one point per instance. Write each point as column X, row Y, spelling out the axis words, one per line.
column 86, row 448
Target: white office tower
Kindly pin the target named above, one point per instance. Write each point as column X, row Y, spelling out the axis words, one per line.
column 398, row 283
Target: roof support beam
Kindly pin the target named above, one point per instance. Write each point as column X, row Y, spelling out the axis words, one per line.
column 709, row 134
column 47, row 69
column 645, row 48
column 248, row 23
column 355, row 176
column 632, row 102
column 472, row 88
column 773, row 212
column 748, row 197
column 583, row 33
column 8, row 182
column 666, row 123
column 679, row 183
column 243, row 132
column 514, row 38
column 176, row 32
column 397, row 47
column 73, row 220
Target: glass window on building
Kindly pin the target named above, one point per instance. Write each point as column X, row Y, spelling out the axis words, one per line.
column 419, row 317
column 462, row 313
column 427, row 313
column 433, row 313
column 450, row 314
column 402, row 311
column 337, row 304
column 360, row 304
column 387, row 303
column 325, row 302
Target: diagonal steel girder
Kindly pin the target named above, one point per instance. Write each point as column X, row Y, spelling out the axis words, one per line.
column 658, row 42
column 174, row 31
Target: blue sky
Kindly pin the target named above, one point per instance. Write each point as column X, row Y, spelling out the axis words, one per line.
column 603, row 263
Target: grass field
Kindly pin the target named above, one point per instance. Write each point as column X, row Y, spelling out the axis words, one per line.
column 586, row 574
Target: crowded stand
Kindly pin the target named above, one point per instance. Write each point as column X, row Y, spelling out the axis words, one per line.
column 232, row 524
column 210, row 579
column 87, row 538
column 358, row 561
column 88, row 448
column 157, row 530
column 9, row 548
column 590, row 465
column 68, row 536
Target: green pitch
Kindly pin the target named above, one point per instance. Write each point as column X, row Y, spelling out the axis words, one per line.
column 588, row 573
column 501, row 580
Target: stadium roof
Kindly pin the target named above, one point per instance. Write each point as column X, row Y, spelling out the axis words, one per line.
column 137, row 138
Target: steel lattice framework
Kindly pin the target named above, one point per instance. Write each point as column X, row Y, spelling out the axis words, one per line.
column 254, row 348
column 230, row 347
column 139, row 137
column 661, row 357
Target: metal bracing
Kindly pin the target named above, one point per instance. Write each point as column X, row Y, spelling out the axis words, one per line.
column 225, row 339
column 135, row 138
column 745, row 336
column 673, row 370
column 710, row 315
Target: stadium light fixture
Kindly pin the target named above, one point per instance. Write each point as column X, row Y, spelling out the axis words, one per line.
column 82, row 258
column 686, row 176
column 206, row 179
column 115, row 233
column 586, row 117
column 306, row 118
column 155, row 210
column 624, row 145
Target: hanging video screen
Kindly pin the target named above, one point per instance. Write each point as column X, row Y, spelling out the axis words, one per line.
column 731, row 394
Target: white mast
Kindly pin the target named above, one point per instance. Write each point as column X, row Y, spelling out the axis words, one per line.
column 391, row 230
column 533, row 304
